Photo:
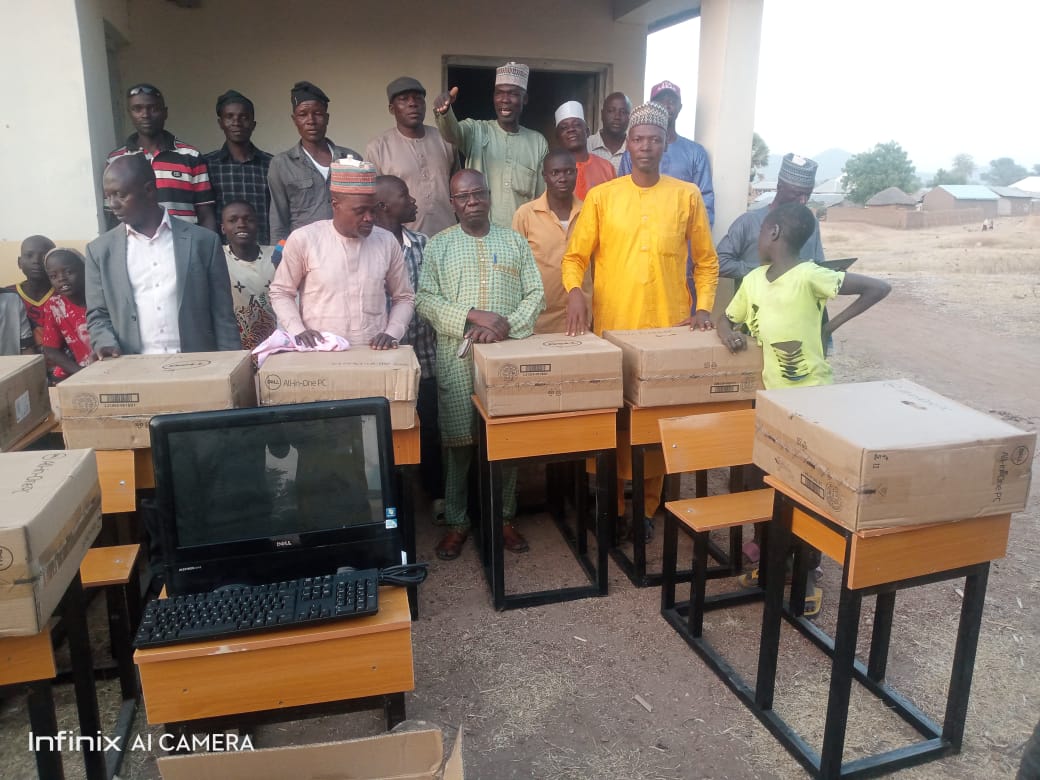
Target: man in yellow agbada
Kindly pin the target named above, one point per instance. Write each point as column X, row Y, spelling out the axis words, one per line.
column 640, row 228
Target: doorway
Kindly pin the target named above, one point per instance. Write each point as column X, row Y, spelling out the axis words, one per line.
column 550, row 85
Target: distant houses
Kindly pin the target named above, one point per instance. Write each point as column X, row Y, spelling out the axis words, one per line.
column 955, row 197
column 892, row 198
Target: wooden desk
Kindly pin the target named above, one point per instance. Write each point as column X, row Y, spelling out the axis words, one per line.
column 270, row 675
column 27, row 662
column 51, row 424
column 563, row 436
column 644, row 434
column 878, row 562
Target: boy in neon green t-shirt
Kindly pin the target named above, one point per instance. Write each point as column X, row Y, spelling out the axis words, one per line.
column 782, row 302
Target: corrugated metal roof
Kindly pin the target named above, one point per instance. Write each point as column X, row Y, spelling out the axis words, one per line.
column 1014, row 192
column 969, row 191
column 1029, row 184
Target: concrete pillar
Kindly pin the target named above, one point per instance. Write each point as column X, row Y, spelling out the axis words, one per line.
column 56, row 124
column 727, row 78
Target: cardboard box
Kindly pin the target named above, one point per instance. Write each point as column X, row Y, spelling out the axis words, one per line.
column 24, row 402
column 51, row 515
column 108, row 404
column 883, row 454
column 409, row 755
column 299, row 377
column 671, row 366
column 547, row 373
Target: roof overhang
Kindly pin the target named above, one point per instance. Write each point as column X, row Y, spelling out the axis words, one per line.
column 656, row 14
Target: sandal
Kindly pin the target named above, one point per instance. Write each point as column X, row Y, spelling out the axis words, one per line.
column 813, row 602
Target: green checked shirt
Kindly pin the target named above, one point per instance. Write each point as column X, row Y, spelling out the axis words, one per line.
column 460, row 272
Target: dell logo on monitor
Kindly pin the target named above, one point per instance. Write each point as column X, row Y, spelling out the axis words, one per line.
column 286, row 541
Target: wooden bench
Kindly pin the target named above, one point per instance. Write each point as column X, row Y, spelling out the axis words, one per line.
column 696, row 443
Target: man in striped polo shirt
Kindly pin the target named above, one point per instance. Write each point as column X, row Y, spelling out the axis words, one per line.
column 181, row 176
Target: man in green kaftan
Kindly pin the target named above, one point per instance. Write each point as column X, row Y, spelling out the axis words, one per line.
column 479, row 283
column 510, row 156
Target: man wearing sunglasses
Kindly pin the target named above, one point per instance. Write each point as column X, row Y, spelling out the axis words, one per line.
column 181, row 177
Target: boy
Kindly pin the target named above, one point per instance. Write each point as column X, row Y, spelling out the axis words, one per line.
column 250, row 271
column 65, row 314
column 782, row 303
column 36, row 288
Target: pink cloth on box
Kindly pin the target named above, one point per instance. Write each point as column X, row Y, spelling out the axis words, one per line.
column 280, row 341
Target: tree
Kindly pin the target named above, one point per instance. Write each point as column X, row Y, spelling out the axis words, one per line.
column 759, row 154
column 943, row 176
column 1003, row 171
column 1036, row 169
column 964, row 167
column 886, row 165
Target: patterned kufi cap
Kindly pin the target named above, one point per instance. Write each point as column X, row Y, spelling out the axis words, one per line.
column 797, row 171
column 649, row 114
column 513, row 73
column 572, row 109
column 351, row 176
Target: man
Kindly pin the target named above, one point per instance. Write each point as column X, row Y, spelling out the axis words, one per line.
column 238, row 170
column 684, row 158
column 640, row 229
column 299, row 177
column 341, row 270
column 154, row 284
column 250, row 270
column 509, row 155
column 479, row 283
column 547, row 222
column 609, row 142
column 181, row 177
column 416, row 154
column 738, row 249
column 572, row 134
column 396, row 207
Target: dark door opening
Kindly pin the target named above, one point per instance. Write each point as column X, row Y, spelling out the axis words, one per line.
column 546, row 90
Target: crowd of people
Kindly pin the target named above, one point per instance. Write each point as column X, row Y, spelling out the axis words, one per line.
column 437, row 236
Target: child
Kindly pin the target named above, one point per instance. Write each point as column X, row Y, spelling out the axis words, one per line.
column 782, row 304
column 36, row 289
column 250, row 271
column 65, row 314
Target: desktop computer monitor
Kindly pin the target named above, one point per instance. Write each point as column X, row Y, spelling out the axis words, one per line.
column 248, row 496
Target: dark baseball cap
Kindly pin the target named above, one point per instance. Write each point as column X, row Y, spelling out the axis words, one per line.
column 404, row 84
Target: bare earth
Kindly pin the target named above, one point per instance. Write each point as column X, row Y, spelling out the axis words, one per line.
column 550, row 692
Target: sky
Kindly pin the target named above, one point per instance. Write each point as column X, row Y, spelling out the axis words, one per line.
column 940, row 77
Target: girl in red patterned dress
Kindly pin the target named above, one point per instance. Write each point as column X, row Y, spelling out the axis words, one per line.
column 65, row 314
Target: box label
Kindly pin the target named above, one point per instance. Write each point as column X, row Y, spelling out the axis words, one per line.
column 22, row 407
column 119, row 400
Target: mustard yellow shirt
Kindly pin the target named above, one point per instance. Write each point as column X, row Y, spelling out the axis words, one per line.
column 639, row 236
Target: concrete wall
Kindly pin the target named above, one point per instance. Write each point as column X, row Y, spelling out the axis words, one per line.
column 44, row 152
column 259, row 47
column 351, row 50
column 905, row 219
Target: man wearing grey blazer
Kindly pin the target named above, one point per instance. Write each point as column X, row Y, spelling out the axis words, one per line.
column 155, row 283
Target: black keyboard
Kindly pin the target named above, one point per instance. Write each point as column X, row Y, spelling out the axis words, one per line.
column 248, row 609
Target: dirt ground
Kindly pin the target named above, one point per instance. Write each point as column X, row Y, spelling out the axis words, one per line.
column 551, row 692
